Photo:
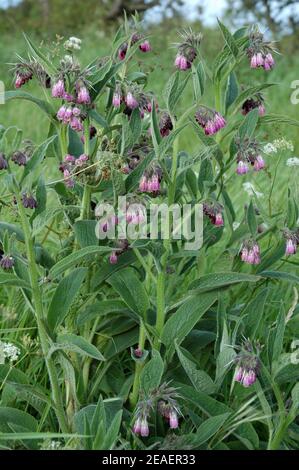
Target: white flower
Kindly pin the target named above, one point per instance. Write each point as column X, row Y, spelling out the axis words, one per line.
column 250, row 189
column 51, row 445
column 73, row 44
column 278, row 144
column 8, row 351
column 269, row 148
column 293, row 161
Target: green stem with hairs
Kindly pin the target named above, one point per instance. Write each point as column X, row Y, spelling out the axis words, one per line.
column 138, row 368
column 38, row 307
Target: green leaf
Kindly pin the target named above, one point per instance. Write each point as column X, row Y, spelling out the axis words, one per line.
column 229, row 39
column 280, row 275
column 278, row 118
column 155, row 130
column 183, row 320
column 71, row 342
column 76, row 258
column 174, row 90
column 199, row 378
column 41, row 58
column 212, row 407
column 17, row 417
column 11, row 280
column 198, row 77
column 210, row 427
column 152, row 372
column 272, row 256
column 249, row 124
column 253, row 313
column 278, row 335
column 101, row 308
column 23, row 95
column 98, row 118
column 111, row 436
column 232, row 90
column 38, row 155
column 130, row 288
column 214, row 281
column 251, row 220
column 85, row 232
column 64, row 295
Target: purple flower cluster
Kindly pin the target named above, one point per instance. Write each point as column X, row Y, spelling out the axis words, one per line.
column 244, row 376
column 150, row 181
column 70, row 166
column 165, row 125
column 247, row 365
column 187, row 50
column 135, row 214
column 253, row 103
column 144, row 46
column 214, row 211
column 260, row 59
column 250, row 252
column 260, row 51
column 211, row 121
column 7, row 262
column 170, row 412
column 28, row 201
column 122, row 246
column 19, row 158
column 292, row 241
column 22, row 78
column 70, row 115
column 248, row 155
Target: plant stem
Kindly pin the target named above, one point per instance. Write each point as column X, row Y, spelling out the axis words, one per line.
column 37, row 300
column 160, row 307
column 218, row 96
column 138, row 368
column 274, row 444
column 85, row 208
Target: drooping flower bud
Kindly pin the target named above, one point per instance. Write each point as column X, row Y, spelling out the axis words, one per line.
column 144, row 429
column 28, row 201
column 19, row 158
column 145, row 46
column 143, row 184
column 122, row 51
column 113, row 258
column 291, row 247
column 58, row 90
column 137, row 426
column 165, row 125
column 259, row 163
column 116, row 100
column 173, row 420
column 83, row 96
column 3, row 162
column 131, row 101
column 7, row 262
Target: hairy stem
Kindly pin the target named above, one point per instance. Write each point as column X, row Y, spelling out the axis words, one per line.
column 138, row 369
column 38, row 307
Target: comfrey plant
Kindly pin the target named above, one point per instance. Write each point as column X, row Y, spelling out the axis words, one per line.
column 133, row 335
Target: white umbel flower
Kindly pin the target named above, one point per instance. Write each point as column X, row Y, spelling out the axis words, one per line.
column 293, row 161
column 73, row 43
column 8, row 351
